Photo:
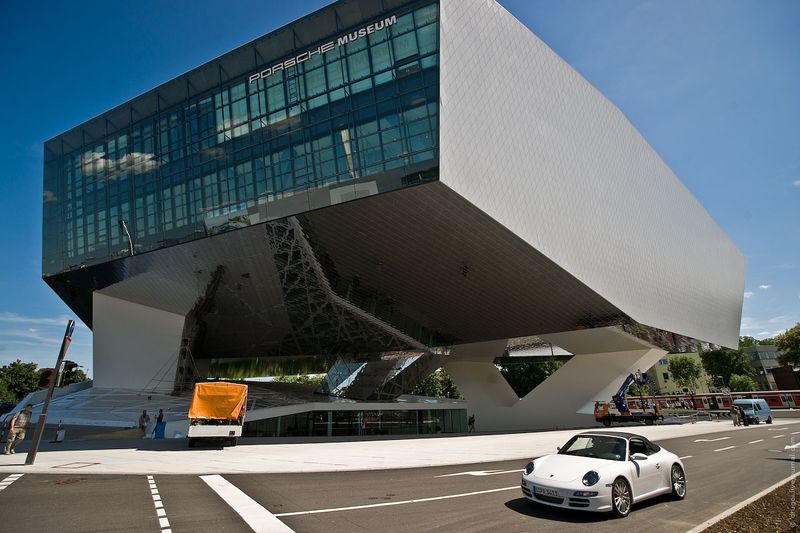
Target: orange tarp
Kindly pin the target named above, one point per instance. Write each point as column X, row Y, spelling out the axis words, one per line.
column 218, row 400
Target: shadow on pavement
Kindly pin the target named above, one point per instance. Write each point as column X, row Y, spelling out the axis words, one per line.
column 576, row 516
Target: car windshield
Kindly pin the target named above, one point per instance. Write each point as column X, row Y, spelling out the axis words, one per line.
column 597, row 446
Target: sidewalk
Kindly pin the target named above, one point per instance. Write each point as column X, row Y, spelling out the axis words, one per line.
column 173, row 456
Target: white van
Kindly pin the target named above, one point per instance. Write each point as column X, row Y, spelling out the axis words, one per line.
column 756, row 410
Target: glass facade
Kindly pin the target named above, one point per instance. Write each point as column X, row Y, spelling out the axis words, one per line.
column 359, row 119
column 367, row 422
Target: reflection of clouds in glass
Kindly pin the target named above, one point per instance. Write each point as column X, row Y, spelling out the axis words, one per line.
column 215, row 152
column 135, row 162
column 49, row 196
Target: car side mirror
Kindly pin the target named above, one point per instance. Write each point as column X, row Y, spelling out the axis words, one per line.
column 558, row 448
column 638, row 457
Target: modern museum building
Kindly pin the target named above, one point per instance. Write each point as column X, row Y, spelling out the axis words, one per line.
column 391, row 187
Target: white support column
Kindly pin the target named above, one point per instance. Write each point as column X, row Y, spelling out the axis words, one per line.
column 603, row 358
column 134, row 346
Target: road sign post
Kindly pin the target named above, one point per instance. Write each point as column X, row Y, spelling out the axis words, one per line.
column 37, row 435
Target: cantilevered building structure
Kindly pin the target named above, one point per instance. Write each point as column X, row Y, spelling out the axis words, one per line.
column 396, row 186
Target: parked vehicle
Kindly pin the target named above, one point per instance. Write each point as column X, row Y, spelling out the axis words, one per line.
column 756, row 410
column 604, row 472
column 217, row 412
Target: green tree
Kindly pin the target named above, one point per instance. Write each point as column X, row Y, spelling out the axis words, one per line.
column 788, row 344
column 636, row 390
column 747, row 341
column 742, row 383
column 439, row 384
column 524, row 377
column 5, row 394
column 77, row 377
column 19, row 378
column 686, row 372
column 725, row 363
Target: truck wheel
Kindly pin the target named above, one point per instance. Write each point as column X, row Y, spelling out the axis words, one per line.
column 607, row 422
column 192, row 442
column 234, row 441
column 648, row 421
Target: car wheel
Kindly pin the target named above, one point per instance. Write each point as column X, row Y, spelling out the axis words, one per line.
column 648, row 421
column 607, row 422
column 192, row 443
column 769, row 420
column 621, row 497
column 678, row 482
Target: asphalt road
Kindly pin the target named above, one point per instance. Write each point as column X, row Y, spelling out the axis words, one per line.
column 722, row 470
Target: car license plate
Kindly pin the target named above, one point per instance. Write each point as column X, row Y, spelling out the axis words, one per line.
column 545, row 491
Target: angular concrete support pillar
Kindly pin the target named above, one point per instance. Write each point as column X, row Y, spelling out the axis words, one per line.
column 134, row 347
column 602, row 359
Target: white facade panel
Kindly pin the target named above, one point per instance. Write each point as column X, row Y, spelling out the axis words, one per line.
column 134, row 347
column 530, row 142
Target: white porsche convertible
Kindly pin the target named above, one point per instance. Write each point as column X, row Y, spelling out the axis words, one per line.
column 604, row 471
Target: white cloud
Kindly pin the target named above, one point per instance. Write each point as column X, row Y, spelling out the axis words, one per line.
column 748, row 294
column 775, row 320
column 764, row 287
column 762, row 334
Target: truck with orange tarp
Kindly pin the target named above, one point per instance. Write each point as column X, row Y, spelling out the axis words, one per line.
column 217, row 412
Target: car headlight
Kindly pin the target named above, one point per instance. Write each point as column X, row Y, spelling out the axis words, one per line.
column 591, row 478
column 529, row 468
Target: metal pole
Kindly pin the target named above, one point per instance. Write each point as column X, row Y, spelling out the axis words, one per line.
column 37, row 435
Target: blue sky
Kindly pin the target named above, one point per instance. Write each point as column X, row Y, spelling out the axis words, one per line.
column 713, row 85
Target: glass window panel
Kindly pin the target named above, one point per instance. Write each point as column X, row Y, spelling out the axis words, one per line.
column 358, row 65
column 426, row 15
column 404, row 46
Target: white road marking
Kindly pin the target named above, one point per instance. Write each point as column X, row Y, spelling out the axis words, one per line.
column 256, row 516
column 402, row 502
column 778, row 436
column 483, row 473
column 9, row 480
column 795, row 432
column 161, row 513
column 723, row 449
column 754, row 441
column 686, row 457
column 711, row 440
column 792, row 447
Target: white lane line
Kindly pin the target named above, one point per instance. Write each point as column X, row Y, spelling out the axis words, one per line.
column 686, row 457
column 748, row 501
column 711, row 440
column 754, row 441
column 256, row 516
column 795, row 432
column 161, row 513
column 403, row 502
column 723, row 449
column 483, row 473
column 778, row 436
column 9, row 480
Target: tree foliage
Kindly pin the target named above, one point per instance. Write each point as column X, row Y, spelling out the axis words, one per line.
column 438, row 385
column 747, row 341
column 305, row 379
column 686, row 371
column 524, row 377
column 19, row 378
column 76, row 377
column 742, row 383
column 788, row 344
column 725, row 363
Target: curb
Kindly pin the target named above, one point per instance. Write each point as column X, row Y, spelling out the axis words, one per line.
column 725, row 514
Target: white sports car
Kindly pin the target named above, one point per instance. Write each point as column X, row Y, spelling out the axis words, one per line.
column 604, row 471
